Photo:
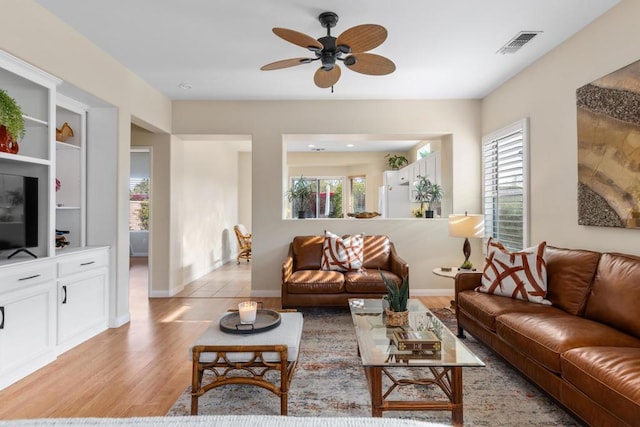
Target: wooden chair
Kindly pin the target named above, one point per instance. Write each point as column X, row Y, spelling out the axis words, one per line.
column 244, row 242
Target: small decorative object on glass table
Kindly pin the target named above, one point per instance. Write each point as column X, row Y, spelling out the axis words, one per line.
column 436, row 355
column 397, row 297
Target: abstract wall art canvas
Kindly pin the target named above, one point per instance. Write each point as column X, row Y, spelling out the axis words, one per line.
column 609, row 150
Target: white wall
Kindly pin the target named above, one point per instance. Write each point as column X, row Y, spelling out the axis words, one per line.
column 244, row 185
column 424, row 244
column 209, row 189
column 545, row 92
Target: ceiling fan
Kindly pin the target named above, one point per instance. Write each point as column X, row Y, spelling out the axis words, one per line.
column 350, row 47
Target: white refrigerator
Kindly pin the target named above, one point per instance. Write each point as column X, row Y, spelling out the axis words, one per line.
column 393, row 198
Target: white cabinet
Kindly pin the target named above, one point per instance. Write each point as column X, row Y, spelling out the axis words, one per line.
column 27, row 319
column 428, row 167
column 82, row 296
column 49, row 304
column 403, row 175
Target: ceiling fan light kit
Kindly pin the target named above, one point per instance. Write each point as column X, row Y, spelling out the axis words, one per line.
column 350, row 48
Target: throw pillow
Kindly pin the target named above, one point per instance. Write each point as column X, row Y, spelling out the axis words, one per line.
column 520, row 275
column 342, row 254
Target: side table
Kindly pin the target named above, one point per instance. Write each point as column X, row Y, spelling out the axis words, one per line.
column 225, row 355
column 451, row 274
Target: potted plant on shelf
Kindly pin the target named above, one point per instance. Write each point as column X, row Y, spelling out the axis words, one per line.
column 397, row 298
column 396, row 162
column 11, row 123
column 428, row 194
column 300, row 195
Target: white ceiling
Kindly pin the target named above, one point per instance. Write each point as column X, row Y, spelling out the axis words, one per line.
column 442, row 49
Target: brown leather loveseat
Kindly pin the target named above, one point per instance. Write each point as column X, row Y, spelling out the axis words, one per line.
column 584, row 349
column 304, row 283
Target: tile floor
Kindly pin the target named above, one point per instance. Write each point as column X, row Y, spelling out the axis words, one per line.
column 230, row 280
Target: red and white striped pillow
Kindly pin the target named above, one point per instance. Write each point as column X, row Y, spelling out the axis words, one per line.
column 520, row 275
column 342, row 254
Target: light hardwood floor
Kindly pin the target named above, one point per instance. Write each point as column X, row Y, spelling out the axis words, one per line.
column 139, row 369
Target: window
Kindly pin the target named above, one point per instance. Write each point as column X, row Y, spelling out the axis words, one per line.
column 325, row 200
column 357, row 202
column 138, row 204
column 505, row 185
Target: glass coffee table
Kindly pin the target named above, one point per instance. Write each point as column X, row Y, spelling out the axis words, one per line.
column 429, row 347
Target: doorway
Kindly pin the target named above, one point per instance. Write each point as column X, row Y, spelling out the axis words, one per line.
column 139, row 223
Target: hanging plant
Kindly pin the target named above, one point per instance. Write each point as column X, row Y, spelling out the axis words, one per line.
column 11, row 116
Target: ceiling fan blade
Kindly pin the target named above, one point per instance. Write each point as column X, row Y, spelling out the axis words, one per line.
column 285, row 63
column 372, row 64
column 324, row 79
column 362, row 37
column 297, row 38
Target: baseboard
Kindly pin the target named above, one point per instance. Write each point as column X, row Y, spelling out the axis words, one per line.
column 120, row 320
column 266, row 294
column 432, row 292
column 165, row 294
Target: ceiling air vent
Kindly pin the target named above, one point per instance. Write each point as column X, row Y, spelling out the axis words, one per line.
column 522, row 38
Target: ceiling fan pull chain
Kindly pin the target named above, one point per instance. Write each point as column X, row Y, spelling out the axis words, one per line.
column 331, row 88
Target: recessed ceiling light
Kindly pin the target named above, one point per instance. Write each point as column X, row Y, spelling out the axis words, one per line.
column 350, row 145
column 310, row 145
column 185, row 86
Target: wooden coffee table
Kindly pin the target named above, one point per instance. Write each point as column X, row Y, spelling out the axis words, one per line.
column 381, row 359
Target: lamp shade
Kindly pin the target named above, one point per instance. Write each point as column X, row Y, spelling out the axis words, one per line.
column 466, row 225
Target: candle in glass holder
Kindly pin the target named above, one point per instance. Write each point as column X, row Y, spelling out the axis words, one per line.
column 247, row 310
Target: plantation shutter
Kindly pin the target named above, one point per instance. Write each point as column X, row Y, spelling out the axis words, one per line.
column 504, row 155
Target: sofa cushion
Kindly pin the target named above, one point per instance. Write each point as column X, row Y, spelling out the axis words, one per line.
column 368, row 281
column 521, row 275
column 307, row 252
column 545, row 336
column 610, row 375
column 315, row 282
column 377, row 252
column 570, row 273
column 615, row 294
column 486, row 307
column 342, row 253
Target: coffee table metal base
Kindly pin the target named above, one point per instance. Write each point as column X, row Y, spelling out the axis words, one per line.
column 448, row 379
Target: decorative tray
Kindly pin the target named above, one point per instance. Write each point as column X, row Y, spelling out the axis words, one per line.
column 265, row 321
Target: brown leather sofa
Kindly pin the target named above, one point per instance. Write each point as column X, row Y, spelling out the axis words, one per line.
column 584, row 350
column 305, row 284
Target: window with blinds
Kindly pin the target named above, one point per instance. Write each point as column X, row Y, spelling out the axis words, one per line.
column 505, row 185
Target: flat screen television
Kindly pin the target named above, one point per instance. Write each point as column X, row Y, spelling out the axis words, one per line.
column 18, row 212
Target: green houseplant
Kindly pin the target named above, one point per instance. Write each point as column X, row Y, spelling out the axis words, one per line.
column 397, row 297
column 11, row 123
column 396, row 162
column 428, row 194
column 300, row 195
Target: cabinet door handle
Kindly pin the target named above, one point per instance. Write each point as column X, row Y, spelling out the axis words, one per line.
column 30, row 277
column 64, row 294
column 1, row 317
column 87, row 263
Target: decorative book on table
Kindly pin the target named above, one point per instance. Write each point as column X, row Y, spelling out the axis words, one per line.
column 417, row 341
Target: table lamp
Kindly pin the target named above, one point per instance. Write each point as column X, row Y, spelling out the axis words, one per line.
column 466, row 226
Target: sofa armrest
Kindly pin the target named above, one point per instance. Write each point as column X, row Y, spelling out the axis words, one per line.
column 398, row 265
column 287, row 269
column 467, row 281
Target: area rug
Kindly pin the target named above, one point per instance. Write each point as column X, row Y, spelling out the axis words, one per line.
column 330, row 381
